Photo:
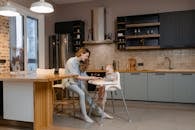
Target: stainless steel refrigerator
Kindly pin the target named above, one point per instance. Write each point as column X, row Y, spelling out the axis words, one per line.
column 60, row 50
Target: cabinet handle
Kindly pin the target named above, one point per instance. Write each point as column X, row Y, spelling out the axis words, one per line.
column 186, row 73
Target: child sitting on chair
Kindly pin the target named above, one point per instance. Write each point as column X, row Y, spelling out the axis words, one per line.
column 111, row 75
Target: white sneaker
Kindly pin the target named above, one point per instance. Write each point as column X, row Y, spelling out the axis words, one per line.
column 88, row 119
column 107, row 116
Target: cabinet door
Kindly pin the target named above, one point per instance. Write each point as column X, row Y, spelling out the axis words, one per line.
column 136, row 86
column 160, row 87
column 177, row 29
column 184, row 89
column 63, row 27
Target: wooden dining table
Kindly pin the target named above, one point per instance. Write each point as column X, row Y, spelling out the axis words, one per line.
column 28, row 97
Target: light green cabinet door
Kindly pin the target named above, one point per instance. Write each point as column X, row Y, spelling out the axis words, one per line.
column 160, row 87
column 184, row 87
column 135, row 86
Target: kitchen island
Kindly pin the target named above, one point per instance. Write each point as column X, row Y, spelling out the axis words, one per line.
column 28, row 97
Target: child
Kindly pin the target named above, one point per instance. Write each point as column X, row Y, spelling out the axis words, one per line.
column 111, row 75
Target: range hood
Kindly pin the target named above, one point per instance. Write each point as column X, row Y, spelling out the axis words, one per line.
column 98, row 24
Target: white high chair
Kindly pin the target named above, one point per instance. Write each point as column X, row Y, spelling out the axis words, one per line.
column 113, row 88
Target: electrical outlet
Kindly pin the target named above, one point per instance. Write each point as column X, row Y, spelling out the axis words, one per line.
column 140, row 64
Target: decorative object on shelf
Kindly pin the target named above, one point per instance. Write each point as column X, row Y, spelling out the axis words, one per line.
column 42, row 7
column 132, row 64
column 8, row 10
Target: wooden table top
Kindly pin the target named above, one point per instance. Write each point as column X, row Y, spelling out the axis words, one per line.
column 22, row 76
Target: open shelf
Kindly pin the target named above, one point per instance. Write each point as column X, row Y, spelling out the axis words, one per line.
column 143, row 25
column 142, row 47
column 143, row 36
column 138, row 32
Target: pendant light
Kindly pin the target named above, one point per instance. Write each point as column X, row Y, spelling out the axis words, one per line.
column 8, row 10
column 42, row 7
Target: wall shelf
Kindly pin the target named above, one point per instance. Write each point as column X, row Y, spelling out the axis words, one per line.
column 143, row 36
column 98, row 42
column 142, row 25
column 142, row 47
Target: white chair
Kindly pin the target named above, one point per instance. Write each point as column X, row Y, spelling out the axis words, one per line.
column 41, row 71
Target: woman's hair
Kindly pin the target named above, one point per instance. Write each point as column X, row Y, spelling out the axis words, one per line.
column 84, row 65
column 82, row 51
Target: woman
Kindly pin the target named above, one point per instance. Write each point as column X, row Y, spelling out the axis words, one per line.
column 73, row 66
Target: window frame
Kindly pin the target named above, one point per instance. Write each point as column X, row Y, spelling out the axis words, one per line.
column 25, row 12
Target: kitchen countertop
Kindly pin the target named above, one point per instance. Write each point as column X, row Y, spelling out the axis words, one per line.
column 152, row 71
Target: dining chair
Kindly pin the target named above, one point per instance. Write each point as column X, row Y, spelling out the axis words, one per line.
column 62, row 96
column 41, row 71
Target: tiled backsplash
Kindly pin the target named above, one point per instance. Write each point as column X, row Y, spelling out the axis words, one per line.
column 152, row 59
column 4, row 42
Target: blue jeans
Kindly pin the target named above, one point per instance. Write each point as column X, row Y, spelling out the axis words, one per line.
column 80, row 89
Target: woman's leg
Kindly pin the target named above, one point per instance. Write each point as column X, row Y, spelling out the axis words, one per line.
column 93, row 105
column 81, row 94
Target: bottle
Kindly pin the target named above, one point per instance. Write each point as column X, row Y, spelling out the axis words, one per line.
column 114, row 64
column 17, row 66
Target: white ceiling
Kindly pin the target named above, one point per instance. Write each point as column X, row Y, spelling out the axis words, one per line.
column 69, row 1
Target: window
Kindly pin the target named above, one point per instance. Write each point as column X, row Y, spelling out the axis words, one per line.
column 23, row 48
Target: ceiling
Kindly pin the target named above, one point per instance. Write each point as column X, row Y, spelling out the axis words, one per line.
column 69, row 1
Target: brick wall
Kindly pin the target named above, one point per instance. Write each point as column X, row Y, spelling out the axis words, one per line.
column 4, row 42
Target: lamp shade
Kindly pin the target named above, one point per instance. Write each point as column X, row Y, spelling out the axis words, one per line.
column 8, row 10
column 42, row 7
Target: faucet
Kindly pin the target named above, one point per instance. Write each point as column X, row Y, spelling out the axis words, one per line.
column 169, row 60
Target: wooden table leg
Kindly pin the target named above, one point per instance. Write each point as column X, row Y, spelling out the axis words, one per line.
column 43, row 105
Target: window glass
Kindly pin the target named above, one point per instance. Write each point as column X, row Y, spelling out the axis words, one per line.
column 32, row 43
column 16, row 43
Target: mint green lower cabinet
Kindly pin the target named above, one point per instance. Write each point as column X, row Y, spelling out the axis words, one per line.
column 135, row 86
column 160, row 87
column 184, row 87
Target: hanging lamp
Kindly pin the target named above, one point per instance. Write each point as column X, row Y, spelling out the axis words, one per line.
column 8, row 10
column 42, row 7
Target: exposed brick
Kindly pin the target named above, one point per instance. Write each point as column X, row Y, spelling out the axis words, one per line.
column 4, row 41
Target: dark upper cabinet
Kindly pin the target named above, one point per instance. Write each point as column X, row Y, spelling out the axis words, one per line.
column 63, row 27
column 177, row 29
column 76, row 29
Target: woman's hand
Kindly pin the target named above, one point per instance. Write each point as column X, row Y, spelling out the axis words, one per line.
column 94, row 77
